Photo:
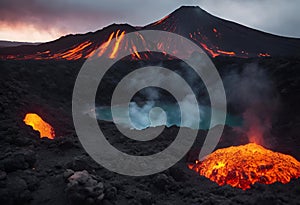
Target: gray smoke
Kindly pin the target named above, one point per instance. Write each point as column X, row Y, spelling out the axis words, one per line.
column 252, row 91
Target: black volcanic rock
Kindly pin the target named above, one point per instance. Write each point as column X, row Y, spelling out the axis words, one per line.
column 19, row 160
column 45, row 182
column 225, row 35
column 83, row 188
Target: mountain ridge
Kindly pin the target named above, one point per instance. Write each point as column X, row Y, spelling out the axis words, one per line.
column 218, row 37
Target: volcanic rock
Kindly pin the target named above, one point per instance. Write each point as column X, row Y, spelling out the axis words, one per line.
column 65, row 143
column 2, row 175
column 68, row 173
column 16, row 191
column 111, row 193
column 163, row 181
column 83, row 188
column 81, row 163
column 19, row 160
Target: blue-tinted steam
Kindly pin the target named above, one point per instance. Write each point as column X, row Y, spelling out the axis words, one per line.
column 168, row 115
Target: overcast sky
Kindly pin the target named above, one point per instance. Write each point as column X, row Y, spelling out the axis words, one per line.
column 44, row 20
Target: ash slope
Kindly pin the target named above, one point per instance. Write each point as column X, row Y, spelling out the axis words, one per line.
column 32, row 169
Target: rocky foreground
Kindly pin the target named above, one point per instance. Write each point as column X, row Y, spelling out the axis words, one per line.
column 59, row 171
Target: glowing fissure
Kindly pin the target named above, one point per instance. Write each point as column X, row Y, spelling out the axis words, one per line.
column 76, row 51
column 264, row 55
column 161, row 20
column 104, row 46
column 209, row 50
column 213, row 51
column 117, row 44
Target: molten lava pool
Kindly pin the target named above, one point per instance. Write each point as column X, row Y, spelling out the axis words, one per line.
column 38, row 124
column 242, row 166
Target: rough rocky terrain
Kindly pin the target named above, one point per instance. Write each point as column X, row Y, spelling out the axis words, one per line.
column 59, row 171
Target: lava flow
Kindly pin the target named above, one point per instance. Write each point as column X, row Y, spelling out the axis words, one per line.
column 242, row 166
column 38, row 124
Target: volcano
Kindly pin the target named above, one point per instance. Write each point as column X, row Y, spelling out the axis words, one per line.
column 43, row 162
column 218, row 37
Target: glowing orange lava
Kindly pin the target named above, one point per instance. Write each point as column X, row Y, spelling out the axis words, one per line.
column 119, row 39
column 210, row 51
column 75, row 53
column 264, row 55
column 229, row 53
column 161, row 20
column 38, row 124
column 135, row 52
column 242, row 166
column 104, row 46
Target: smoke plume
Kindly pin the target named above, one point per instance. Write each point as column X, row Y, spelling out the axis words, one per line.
column 251, row 90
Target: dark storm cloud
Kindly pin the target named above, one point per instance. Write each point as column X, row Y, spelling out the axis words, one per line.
column 73, row 16
column 64, row 15
column 82, row 16
column 274, row 16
